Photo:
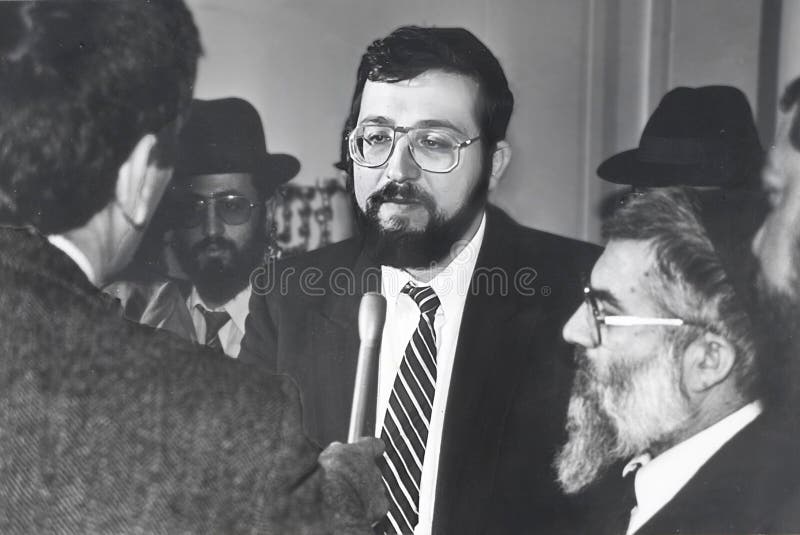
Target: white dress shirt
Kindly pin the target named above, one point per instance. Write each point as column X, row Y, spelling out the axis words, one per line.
column 231, row 334
column 402, row 316
column 659, row 480
column 77, row 256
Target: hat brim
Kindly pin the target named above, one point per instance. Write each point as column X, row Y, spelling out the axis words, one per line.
column 626, row 168
column 280, row 168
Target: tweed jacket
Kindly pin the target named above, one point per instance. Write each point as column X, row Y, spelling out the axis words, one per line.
column 107, row 426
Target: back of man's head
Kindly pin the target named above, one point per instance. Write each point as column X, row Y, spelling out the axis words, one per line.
column 81, row 82
column 701, row 255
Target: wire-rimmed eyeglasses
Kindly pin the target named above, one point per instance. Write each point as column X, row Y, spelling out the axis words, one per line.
column 596, row 318
column 435, row 149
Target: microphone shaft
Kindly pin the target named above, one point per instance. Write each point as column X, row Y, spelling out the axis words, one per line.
column 365, row 387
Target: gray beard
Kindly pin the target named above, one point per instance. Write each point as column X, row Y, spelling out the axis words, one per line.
column 635, row 408
column 592, row 442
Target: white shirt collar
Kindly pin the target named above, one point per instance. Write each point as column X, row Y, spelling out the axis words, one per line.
column 659, row 480
column 77, row 256
column 236, row 307
column 451, row 284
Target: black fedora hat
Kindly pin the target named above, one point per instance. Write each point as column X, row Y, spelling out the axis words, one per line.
column 226, row 136
column 702, row 136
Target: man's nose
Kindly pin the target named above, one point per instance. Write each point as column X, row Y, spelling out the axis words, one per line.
column 212, row 224
column 577, row 329
column 401, row 165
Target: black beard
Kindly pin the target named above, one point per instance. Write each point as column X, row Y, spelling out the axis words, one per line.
column 219, row 280
column 405, row 248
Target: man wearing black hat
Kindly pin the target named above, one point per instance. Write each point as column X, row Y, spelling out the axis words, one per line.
column 215, row 209
column 659, row 443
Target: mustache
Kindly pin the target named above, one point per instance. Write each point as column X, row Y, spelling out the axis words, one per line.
column 581, row 364
column 221, row 243
column 406, row 192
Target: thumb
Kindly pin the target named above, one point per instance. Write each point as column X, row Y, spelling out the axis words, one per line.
column 371, row 446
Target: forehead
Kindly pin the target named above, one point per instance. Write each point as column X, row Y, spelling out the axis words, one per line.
column 627, row 270
column 433, row 95
column 214, row 184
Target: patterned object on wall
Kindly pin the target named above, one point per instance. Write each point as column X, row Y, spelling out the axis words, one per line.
column 308, row 217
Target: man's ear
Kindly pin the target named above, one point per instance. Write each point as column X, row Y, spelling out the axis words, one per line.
column 141, row 182
column 707, row 362
column 501, row 157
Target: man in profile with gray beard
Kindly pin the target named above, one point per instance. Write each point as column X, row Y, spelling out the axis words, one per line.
column 665, row 424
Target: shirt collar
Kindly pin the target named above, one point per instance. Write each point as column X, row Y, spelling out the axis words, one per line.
column 77, row 256
column 236, row 307
column 451, row 284
column 659, row 480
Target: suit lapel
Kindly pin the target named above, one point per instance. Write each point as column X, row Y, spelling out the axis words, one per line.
column 336, row 327
column 735, row 491
column 340, row 306
column 489, row 355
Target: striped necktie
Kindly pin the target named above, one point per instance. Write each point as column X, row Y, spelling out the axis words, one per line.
column 405, row 427
column 214, row 322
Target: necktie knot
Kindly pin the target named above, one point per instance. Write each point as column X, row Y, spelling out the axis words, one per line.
column 424, row 296
column 214, row 322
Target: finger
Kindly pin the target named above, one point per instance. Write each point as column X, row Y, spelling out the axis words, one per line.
column 371, row 445
column 331, row 453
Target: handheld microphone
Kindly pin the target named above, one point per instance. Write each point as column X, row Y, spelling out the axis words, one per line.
column 371, row 317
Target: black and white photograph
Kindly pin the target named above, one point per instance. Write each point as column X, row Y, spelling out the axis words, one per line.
column 431, row 267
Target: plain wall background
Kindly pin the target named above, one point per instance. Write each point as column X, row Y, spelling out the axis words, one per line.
column 585, row 74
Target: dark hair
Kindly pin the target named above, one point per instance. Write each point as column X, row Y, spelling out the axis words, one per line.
column 81, row 82
column 695, row 282
column 410, row 51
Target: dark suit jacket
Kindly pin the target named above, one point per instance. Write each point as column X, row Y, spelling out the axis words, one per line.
column 107, row 426
column 510, row 381
column 740, row 490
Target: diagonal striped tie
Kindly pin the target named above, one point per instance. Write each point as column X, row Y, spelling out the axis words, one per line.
column 405, row 427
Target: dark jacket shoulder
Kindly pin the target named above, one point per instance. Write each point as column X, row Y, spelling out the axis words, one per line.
column 105, row 417
column 533, row 242
column 342, row 253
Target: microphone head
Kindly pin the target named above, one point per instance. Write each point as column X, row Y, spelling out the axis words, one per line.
column 371, row 316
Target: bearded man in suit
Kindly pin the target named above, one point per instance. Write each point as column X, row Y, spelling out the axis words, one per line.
column 216, row 213
column 108, row 426
column 473, row 376
column 667, row 427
